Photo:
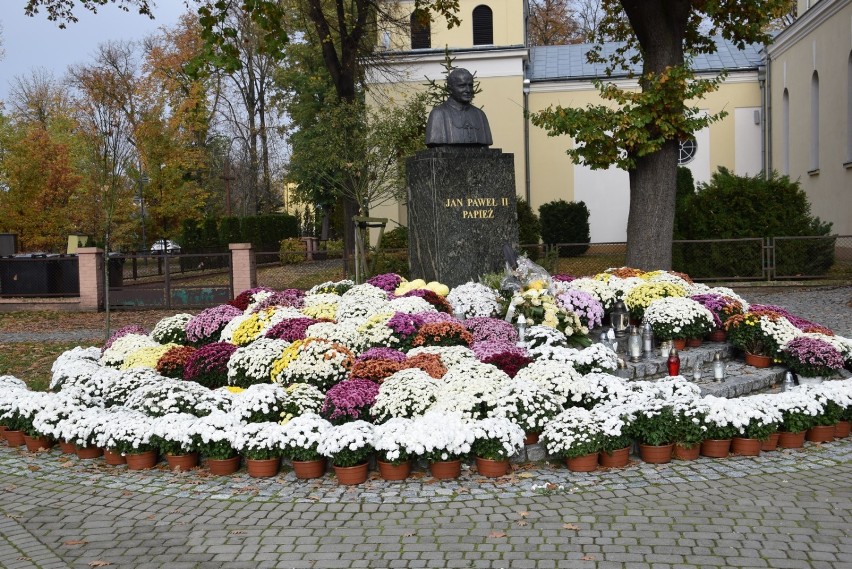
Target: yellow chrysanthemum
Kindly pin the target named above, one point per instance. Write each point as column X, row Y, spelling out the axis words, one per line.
column 146, row 357
column 235, row 389
column 251, row 328
column 321, row 310
column 290, row 354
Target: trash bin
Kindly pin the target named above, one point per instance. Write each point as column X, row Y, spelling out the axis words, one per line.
column 116, row 270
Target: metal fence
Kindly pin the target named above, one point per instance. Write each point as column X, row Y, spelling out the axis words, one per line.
column 152, row 281
column 298, row 269
column 39, row 275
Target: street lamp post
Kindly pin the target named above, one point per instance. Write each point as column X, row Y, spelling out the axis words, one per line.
column 143, row 179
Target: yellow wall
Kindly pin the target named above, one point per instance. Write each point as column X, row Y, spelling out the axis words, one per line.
column 821, row 41
column 508, row 25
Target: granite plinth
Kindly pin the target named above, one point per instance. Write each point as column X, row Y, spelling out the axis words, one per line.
column 461, row 212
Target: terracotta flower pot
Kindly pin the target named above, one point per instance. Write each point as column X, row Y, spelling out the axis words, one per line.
column 2, row 432
column 679, row 343
column 757, row 361
column 686, row 453
column 307, row 469
column 114, row 458
column 15, row 438
column 266, row 468
column 182, row 462
column 352, row 475
column 391, row 471
column 791, row 440
column 585, row 463
column 656, row 454
column 141, row 460
column 771, row 443
column 223, row 466
column 718, row 335
column 694, row 342
column 531, row 438
column 35, row 444
column 88, row 453
column 492, row 468
column 67, row 448
column 615, row 459
column 745, row 447
column 821, row 434
column 842, row 429
column 445, row 469
column 716, row 448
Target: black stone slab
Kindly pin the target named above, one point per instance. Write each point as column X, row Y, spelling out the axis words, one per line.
column 461, row 211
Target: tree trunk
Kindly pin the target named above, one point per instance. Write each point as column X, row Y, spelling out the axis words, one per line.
column 652, row 207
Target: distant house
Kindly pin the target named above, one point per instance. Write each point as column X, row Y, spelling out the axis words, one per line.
column 514, row 77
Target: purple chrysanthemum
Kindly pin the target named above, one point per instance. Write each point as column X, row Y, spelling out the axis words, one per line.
column 584, row 305
column 206, row 326
column 350, row 400
column 381, row 354
column 491, row 329
column 208, row 365
column 291, row 329
column 243, row 299
column 812, row 357
column 563, row 278
column 287, row 297
column 388, row 282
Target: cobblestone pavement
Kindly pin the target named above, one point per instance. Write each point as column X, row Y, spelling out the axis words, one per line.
column 784, row 509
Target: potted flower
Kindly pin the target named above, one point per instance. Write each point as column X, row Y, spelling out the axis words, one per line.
column 57, row 408
column 406, row 393
column 721, row 307
column 811, row 359
column 495, row 440
column 642, row 295
column 262, row 445
column 302, row 436
column 833, row 401
column 252, row 364
column 301, row 398
column 129, row 433
column 348, row 446
column 799, row 410
column 316, row 361
column 443, row 439
column 206, row 326
column 760, row 333
column 756, row 422
column 528, row 404
column 208, row 365
column 474, row 300
column 575, row 436
column 584, row 305
column 688, row 430
column 214, row 436
column 678, row 318
column 392, row 442
column 615, row 439
column 173, row 435
column 173, row 361
column 653, row 424
column 261, row 403
column 350, row 400
column 22, row 410
column 718, row 421
column 165, row 396
column 171, row 329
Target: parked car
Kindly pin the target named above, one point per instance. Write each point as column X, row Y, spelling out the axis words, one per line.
column 165, row 245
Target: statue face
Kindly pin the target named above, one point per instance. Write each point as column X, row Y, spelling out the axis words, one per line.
column 460, row 86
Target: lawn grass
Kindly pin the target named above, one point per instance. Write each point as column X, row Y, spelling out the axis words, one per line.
column 31, row 361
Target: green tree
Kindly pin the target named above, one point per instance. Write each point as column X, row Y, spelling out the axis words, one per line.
column 639, row 131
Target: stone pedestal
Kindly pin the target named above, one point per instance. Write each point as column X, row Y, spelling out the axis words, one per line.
column 461, row 212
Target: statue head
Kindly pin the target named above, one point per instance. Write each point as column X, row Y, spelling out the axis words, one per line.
column 460, row 85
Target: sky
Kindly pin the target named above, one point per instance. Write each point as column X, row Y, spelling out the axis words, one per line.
column 35, row 42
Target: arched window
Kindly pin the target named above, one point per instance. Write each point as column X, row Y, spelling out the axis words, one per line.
column 849, row 111
column 421, row 33
column 483, row 25
column 815, row 121
column 785, row 132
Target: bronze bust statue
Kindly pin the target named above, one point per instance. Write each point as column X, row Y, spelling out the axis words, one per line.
column 456, row 121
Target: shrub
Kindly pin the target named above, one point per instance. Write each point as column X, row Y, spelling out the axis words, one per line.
column 396, row 238
column 229, row 230
column 733, row 207
column 529, row 228
column 191, row 238
column 250, row 230
column 210, row 232
column 292, row 251
column 565, row 222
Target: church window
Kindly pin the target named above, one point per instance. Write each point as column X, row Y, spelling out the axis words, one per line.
column 688, row 148
column 421, row 33
column 483, row 25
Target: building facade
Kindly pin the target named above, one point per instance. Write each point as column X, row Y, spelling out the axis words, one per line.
column 515, row 78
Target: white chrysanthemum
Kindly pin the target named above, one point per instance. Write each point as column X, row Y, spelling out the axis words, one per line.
column 473, row 300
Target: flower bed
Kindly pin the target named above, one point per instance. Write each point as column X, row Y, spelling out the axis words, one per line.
column 345, row 370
